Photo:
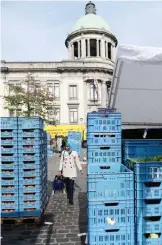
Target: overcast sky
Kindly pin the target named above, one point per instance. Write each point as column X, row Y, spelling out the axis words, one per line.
column 36, row 31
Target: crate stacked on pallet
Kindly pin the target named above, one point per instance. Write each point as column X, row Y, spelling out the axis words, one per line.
column 148, row 201
column 110, row 185
column 75, row 140
column 32, row 152
column 9, row 167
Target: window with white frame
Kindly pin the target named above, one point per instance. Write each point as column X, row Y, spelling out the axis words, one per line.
column 56, row 90
column 50, row 89
column 73, row 115
column 57, row 115
column 93, row 92
column 73, row 92
column 53, row 90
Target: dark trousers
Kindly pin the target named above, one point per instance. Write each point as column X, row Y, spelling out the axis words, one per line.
column 69, row 188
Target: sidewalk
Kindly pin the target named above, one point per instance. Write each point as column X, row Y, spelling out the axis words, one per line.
column 66, row 221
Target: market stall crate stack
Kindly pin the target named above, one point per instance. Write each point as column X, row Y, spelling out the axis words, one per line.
column 110, row 184
column 9, row 167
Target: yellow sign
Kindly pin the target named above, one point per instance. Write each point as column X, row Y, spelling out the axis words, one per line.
column 64, row 129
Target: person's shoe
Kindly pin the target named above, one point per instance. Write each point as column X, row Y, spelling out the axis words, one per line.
column 71, row 203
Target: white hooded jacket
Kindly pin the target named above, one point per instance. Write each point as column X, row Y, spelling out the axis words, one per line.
column 68, row 164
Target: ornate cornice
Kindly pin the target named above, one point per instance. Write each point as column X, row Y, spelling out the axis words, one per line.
column 60, row 69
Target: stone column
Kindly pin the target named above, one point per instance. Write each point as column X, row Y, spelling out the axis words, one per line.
column 83, row 46
column 106, row 50
column 103, row 94
column 78, row 49
column 102, row 48
column 113, row 53
column 70, row 51
column 88, row 42
column 97, row 46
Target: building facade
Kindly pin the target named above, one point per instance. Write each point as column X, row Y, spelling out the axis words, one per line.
column 78, row 85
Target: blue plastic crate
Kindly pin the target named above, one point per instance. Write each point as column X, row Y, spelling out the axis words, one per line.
column 31, row 180
column 103, row 168
column 113, row 186
column 148, row 190
column 30, row 123
column 8, row 189
column 141, row 148
column 29, row 188
column 30, row 204
column 144, row 210
column 8, row 142
column 9, row 134
column 36, row 133
column 9, row 181
column 103, row 122
column 116, row 237
column 9, row 149
column 148, row 227
column 9, row 204
column 75, row 135
column 148, row 171
column 31, row 196
column 26, row 213
column 10, row 214
column 8, row 122
column 31, row 157
column 9, row 158
column 9, row 166
column 30, row 141
column 103, row 139
column 30, row 165
column 12, row 197
column 9, row 173
column 142, row 239
column 103, row 154
column 116, row 214
column 29, row 173
column 38, row 150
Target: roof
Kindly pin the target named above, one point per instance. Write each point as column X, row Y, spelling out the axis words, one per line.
column 137, row 86
column 91, row 21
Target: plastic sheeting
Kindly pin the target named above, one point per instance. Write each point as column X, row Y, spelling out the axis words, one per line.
column 137, row 86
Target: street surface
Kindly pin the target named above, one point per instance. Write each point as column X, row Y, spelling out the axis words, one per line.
column 66, row 221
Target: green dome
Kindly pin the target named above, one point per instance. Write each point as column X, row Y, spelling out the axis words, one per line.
column 91, row 21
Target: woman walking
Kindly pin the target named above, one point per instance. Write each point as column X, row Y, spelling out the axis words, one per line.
column 68, row 162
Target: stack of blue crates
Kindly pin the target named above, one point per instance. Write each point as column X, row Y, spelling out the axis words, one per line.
column 9, row 167
column 110, row 184
column 24, row 164
column 75, row 140
column 148, row 189
column 148, row 202
column 32, row 152
column 49, row 150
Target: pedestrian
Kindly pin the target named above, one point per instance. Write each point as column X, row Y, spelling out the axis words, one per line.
column 67, row 168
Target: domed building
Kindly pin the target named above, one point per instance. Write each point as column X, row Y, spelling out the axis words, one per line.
column 80, row 84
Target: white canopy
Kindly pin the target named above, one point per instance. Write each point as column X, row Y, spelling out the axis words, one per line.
column 136, row 89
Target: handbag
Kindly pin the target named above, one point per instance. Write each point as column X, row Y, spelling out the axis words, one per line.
column 58, row 183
